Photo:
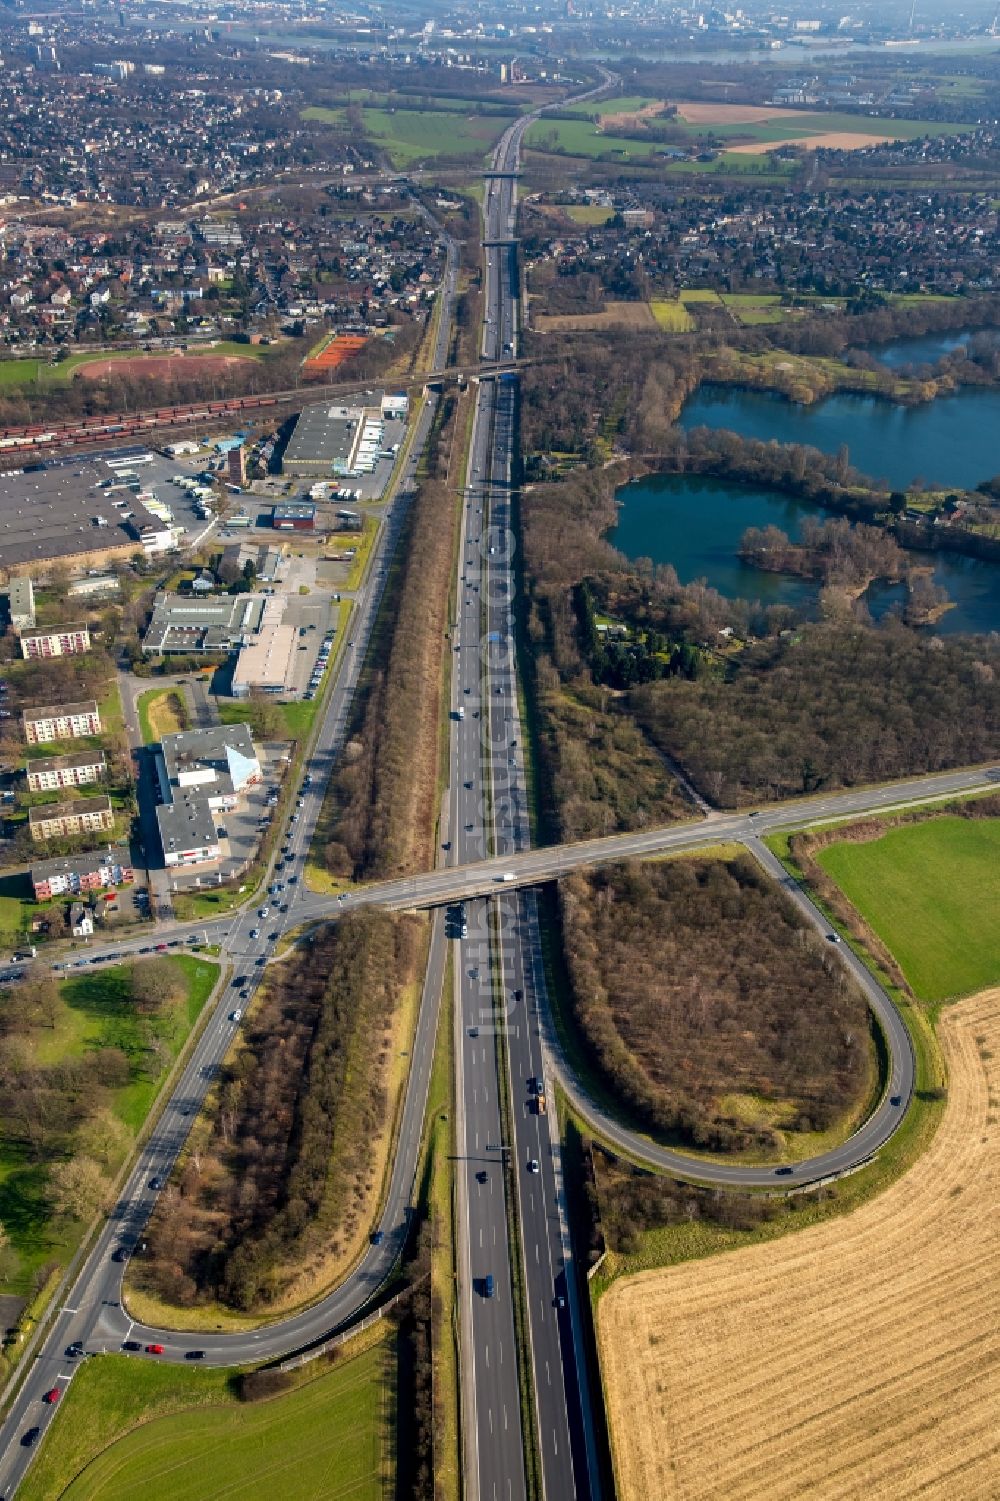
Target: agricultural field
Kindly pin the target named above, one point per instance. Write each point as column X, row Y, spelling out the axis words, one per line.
column 410, row 136
column 746, row 130
column 750, row 309
column 931, row 891
column 128, row 1428
column 859, row 1359
column 637, row 315
column 671, row 315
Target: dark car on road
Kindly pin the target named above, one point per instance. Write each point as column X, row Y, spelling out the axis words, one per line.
column 28, row 1438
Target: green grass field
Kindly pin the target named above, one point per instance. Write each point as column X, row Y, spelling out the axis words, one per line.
column 415, row 135
column 130, row 1428
column 752, row 309
column 931, row 891
column 672, row 316
column 588, row 213
column 624, row 104
column 582, row 137
column 164, row 704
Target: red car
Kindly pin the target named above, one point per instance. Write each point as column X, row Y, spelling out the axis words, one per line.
column 154, row 1349
column 161, row 948
column 52, row 1396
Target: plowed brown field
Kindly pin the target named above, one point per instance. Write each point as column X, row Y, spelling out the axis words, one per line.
column 708, row 112
column 858, row 1359
column 831, row 140
column 612, row 315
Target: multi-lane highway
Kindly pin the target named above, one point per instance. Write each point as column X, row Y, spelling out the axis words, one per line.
column 518, row 1187
column 502, row 1028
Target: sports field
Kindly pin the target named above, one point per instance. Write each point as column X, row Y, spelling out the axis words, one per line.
column 212, row 359
column 931, row 891
column 182, row 1437
column 858, row 1360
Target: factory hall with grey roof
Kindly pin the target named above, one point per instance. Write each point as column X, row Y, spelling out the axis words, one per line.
column 76, row 513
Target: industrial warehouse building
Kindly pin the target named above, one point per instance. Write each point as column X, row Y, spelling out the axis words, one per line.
column 324, row 441
column 296, row 516
column 266, row 665
column 74, row 514
column 215, row 626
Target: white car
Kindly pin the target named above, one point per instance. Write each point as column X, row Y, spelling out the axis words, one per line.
column 263, row 911
column 533, row 1165
column 235, row 1016
column 254, row 932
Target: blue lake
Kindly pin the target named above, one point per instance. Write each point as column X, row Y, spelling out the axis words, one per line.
column 925, row 350
column 696, row 523
column 952, row 441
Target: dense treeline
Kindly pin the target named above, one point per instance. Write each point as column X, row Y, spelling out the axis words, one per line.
column 833, row 551
column 598, row 773
column 381, row 807
column 280, row 1176
column 696, row 982
column 622, row 1201
column 830, row 704
column 415, row 1387
column 835, row 705
column 63, row 1129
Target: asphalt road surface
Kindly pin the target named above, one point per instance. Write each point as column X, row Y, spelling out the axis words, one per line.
column 495, row 809
column 93, row 1313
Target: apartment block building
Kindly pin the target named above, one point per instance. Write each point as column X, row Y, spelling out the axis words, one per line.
column 49, row 773
column 85, row 815
column 59, row 641
column 73, row 874
column 61, row 722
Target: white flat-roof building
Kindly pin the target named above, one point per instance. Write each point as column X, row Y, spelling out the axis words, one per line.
column 266, row 663
column 201, row 773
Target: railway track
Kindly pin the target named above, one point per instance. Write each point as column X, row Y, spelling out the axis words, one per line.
column 41, row 439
